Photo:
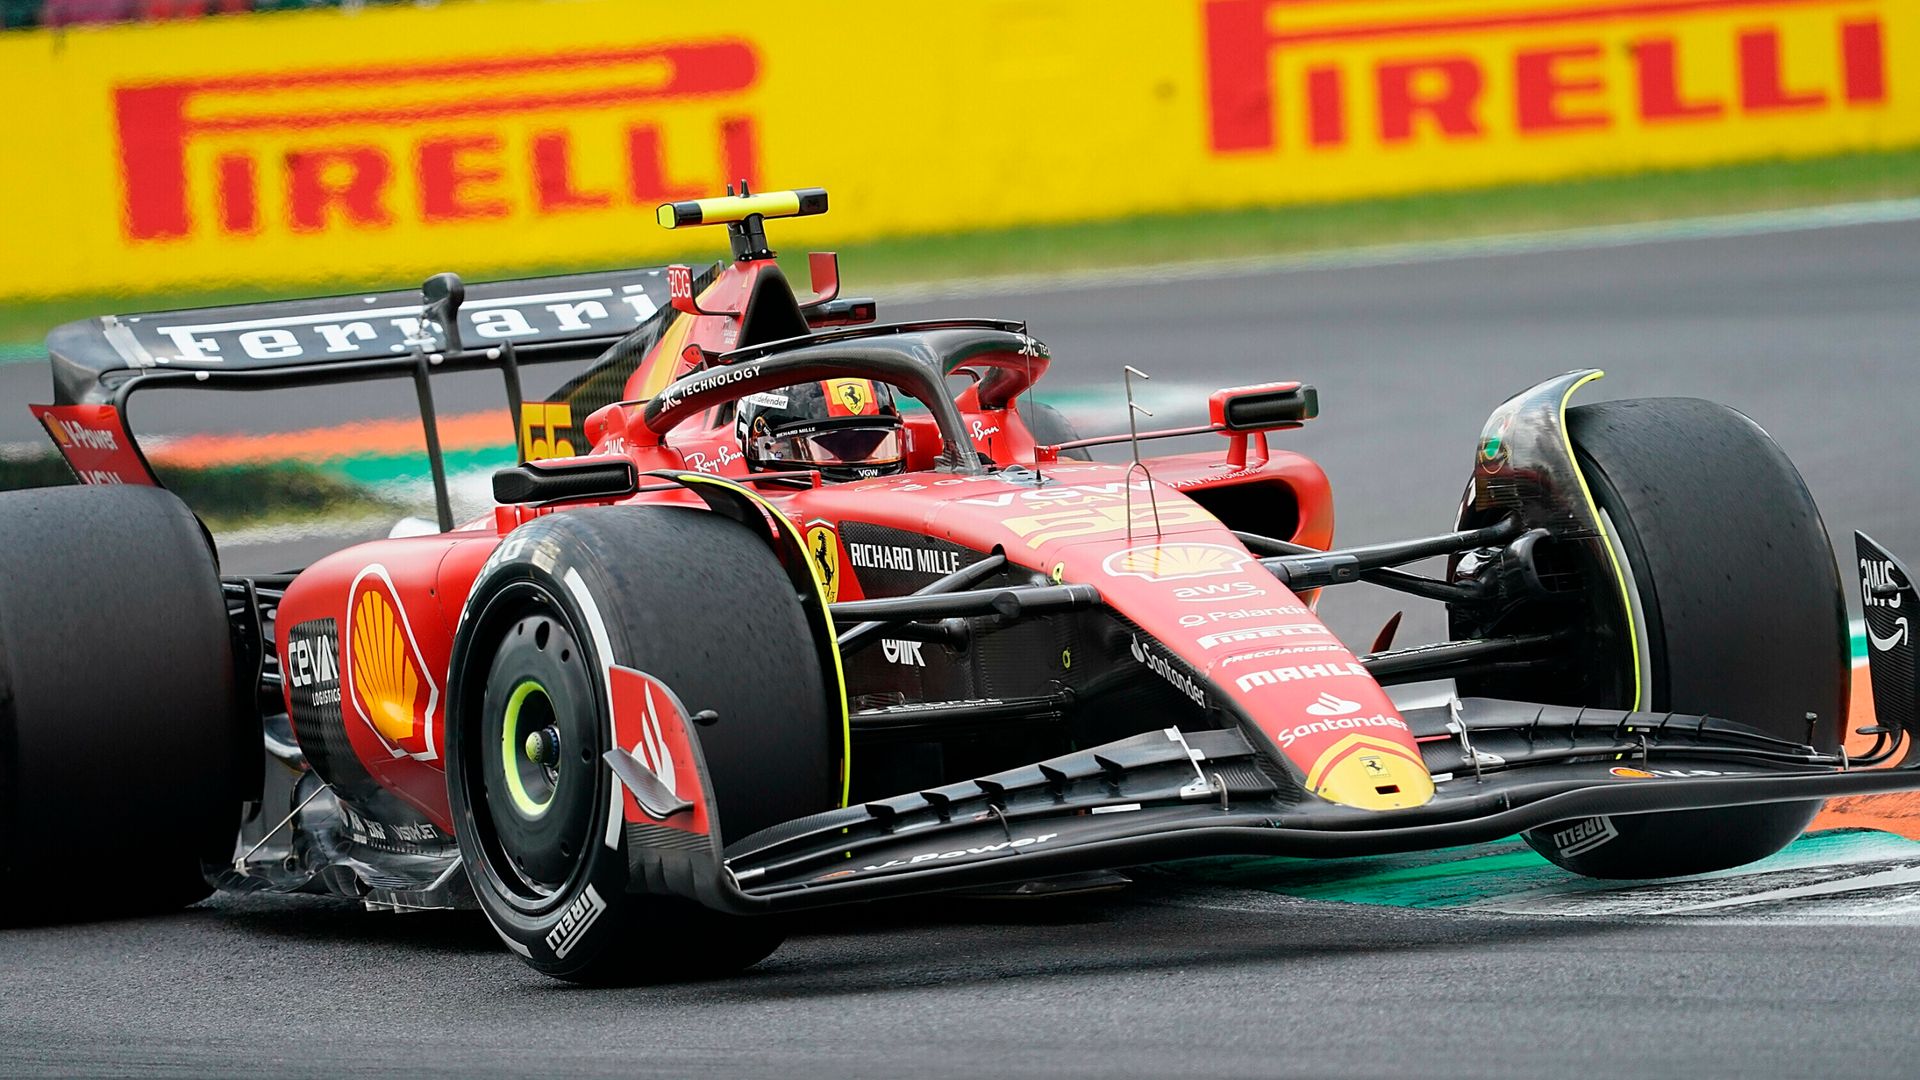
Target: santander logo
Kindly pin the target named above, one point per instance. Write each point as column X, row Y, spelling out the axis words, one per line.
column 1329, row 705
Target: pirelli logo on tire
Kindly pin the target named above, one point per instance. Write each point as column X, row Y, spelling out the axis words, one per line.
column 1580, row 837
column 573, row 926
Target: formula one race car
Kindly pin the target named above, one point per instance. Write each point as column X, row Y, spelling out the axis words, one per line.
column 742, row 636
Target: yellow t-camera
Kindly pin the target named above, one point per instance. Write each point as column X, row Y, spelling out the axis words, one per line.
column 727, row 209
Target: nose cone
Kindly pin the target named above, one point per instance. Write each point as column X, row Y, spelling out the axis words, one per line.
column 1370, row 773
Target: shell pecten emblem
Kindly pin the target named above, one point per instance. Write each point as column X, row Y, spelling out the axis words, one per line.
column 392, row 691
column 1176, row 562
column 60, row 436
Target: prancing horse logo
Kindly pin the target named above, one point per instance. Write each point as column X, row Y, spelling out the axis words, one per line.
column 824, row 547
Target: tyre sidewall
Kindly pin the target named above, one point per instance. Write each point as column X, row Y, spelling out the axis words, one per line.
column 562, row 934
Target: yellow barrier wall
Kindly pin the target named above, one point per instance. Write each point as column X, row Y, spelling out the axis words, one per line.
column 333, row 146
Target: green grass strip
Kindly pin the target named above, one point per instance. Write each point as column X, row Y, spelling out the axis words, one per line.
column 234, row 496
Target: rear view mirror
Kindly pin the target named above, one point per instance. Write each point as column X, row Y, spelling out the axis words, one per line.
column 1264, row 407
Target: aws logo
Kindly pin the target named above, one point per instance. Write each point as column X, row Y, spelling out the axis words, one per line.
column 392, row 690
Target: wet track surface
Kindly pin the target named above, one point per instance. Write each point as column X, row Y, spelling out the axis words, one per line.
column 1806, row 971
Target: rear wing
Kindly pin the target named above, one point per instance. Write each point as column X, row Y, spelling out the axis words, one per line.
column 611, row 317
column 345, row 338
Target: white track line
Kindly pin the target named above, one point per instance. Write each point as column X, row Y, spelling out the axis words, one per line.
column 1593, row 238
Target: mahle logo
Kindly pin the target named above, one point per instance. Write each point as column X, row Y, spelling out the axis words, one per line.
column 392, row 690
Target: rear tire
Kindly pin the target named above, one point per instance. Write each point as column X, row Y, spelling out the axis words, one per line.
column 693, row 599
column 123, row 751
column 1742, row 604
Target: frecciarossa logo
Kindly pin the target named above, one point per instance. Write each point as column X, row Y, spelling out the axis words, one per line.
column 392, row 689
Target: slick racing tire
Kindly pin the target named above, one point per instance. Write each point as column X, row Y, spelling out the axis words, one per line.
column 1734, row 581
column 123, row 749
column 701, row 604
column 1049, row 428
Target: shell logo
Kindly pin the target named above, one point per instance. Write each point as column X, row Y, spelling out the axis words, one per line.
column 60, row 437
column 1176, row 562
column 392, row 691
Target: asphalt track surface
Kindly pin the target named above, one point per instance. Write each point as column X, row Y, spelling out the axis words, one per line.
column 1813, row 334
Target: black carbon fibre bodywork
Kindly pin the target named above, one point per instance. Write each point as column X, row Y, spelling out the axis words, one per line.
column 1169, row 794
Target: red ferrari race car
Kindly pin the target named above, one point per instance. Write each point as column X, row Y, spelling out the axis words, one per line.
column 743, row 635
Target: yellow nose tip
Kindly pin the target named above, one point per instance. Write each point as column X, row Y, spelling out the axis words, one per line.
column 1371, row 774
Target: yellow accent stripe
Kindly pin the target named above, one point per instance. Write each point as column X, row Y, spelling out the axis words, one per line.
column 1619, row 576
column 826, row 613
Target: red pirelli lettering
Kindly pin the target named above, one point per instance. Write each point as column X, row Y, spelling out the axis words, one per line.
column 1546, row 79
column 1658, row 63
column 1444, row 89
column 457, row 175
column 158, row 123
column 350, row 179
column 1557, row 84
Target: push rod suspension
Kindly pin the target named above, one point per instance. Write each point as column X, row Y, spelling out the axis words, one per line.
column 867, row 632
column 1318, row 569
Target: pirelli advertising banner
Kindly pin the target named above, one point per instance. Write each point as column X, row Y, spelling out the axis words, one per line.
column 333, row 147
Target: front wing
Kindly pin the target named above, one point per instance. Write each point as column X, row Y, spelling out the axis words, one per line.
column 1501, row 767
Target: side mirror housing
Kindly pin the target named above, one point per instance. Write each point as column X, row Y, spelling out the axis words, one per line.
column 1265, row 407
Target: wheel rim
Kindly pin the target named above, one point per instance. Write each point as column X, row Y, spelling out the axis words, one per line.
column 540, row 733
column 530, row 753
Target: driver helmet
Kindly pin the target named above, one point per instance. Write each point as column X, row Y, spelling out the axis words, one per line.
column 848, row 429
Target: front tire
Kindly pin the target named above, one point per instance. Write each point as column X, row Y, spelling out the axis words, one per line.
column 699, row 603
column 1739, row 612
